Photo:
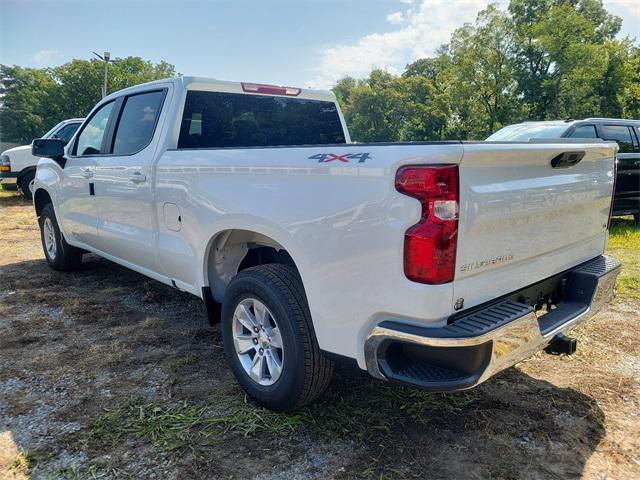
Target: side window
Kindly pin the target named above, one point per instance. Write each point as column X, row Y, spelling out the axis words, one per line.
column 66, row 132
column 620, row 134
column 90, row 139
column 137, row 122
column 584, row 131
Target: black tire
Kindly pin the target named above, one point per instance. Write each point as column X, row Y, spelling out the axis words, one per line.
column 25, row 181
column 305, row 371
column 65, row 257
column 636, row 219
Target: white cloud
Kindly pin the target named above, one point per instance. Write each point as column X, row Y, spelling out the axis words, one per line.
column 426, row 27
column 629, row 10
column 46, row 56
column 395, row 18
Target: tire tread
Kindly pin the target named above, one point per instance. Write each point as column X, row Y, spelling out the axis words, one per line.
column 69, row 257
column 318, row 369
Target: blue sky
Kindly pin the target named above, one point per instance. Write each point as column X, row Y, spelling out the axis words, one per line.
column 294, row 43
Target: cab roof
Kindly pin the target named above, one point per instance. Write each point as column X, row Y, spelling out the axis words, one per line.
column 247, row 88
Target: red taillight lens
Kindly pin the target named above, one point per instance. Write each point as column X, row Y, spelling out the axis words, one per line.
column 430, row 245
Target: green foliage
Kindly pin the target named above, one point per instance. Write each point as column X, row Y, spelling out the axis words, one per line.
column 624, row 244
column 28, row 102
column 34, row 100
column 540, row 59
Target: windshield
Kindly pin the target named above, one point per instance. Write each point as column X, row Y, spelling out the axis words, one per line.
column 525, row 131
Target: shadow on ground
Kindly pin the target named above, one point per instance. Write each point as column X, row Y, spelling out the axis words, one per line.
column 104, row 372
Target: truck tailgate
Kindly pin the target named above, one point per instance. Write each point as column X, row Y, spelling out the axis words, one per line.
column 522, row 220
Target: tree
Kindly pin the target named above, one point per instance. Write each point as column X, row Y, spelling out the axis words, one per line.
column 482, row 71
column 373, row 107
column 34, row 100
column 540, row 59
column 28, row 103
column 557, row 54
column 81, row 80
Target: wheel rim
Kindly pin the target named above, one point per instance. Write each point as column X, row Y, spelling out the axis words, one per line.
column 49, row 239
column 258, row 341
column 31, row 184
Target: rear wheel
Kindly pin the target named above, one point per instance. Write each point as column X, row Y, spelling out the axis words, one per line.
column 269, row 340
column 636, row 218
column 59, row 254
column 26, row 184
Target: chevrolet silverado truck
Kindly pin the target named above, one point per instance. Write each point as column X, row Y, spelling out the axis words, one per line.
column 18, row 165
column 432, row 264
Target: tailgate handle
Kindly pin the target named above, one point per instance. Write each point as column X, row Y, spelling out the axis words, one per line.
column 567, row 159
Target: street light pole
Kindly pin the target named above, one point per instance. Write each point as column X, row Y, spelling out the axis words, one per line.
column 105, row 58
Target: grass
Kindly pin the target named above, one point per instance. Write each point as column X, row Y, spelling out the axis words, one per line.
column 7, row 193
column 346, row 416
column 22, row 466
column 171, row 427
column 624, row 244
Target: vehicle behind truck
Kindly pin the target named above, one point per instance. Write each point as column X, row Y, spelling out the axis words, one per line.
column 432, row 264
column 18, row 165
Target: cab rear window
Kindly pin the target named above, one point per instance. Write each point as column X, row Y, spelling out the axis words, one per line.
column 218, row 120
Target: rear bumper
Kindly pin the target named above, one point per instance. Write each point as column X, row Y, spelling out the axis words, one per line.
column 8, row 178
column 476, row 346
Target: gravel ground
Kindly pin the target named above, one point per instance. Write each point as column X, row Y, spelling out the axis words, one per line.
column 107, row 374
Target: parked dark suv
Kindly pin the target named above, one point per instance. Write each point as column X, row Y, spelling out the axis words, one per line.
column 626, row 132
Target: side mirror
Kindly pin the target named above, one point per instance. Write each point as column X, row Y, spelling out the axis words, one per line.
column 52, row 148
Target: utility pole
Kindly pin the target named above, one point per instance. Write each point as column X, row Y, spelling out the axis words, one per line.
column 106, row 59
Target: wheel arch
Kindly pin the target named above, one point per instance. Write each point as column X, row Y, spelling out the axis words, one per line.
column 232, row 250
column 40, row 198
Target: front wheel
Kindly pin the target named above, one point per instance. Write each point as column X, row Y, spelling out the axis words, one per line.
column 26, row 184
column 268, row 338
column 59, row 254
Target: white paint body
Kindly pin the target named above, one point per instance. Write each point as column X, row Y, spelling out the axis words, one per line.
column 343, row 224
column 21, row 159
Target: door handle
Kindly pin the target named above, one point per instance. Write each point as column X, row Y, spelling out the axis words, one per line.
column 87, row 173
column 137, row 177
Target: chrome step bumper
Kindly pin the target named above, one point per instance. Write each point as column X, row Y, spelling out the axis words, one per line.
column 478, row 345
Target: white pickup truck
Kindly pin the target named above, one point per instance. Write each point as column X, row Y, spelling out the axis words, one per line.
column 434, row 264
column 18, row 165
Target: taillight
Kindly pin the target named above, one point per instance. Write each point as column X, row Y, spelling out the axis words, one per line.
column 270, row 89
column 613, row 191
column 430, row 245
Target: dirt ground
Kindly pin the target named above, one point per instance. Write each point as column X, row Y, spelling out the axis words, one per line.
column 107, row 374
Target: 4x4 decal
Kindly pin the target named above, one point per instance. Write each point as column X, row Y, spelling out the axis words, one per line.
column 344, row 158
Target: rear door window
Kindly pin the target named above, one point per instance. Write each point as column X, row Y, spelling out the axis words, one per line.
column 137, row 122
column 217, row 120
column 584, row 131
column 621, row 134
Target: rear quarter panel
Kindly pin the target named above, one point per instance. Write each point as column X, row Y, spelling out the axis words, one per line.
column 343, row 223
